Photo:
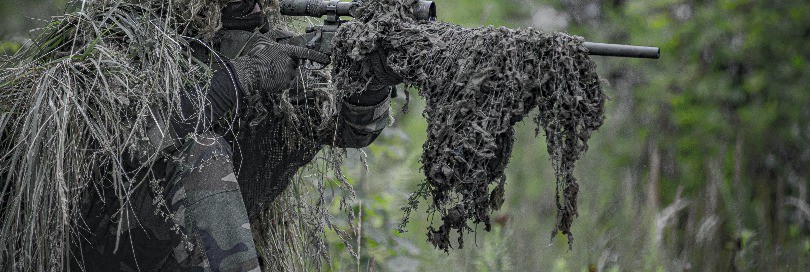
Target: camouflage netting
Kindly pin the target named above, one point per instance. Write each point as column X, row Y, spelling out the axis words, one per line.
column 478, row 82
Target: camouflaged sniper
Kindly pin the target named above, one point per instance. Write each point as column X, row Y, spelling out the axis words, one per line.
column 135, row 57
column 96, row 93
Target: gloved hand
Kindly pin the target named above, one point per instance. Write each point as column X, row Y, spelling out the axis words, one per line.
column 271, row 66
column 384, row 76
column 380, row 86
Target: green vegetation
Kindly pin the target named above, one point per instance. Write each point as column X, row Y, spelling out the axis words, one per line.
column 703, row 162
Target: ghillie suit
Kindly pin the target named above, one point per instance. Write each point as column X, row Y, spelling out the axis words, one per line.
column 78, row 110
column 478, row 82
column 67, row 105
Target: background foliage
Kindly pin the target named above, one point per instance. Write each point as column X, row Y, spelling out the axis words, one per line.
column 702, row 163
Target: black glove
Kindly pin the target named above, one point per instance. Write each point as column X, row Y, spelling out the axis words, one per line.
column 270, row 66
column 384, row 76
column 380, row 87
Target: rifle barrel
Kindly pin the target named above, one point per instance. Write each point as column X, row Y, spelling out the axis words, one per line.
column 621, row 50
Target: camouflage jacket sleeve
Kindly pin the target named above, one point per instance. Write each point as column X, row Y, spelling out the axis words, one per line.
column 362, row 120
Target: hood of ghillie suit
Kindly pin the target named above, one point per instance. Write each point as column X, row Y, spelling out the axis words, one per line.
column 198, row 18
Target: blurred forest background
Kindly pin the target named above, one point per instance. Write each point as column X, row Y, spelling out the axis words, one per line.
column 703, row 163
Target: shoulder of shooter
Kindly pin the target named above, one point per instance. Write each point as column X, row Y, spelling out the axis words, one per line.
column 319, row 37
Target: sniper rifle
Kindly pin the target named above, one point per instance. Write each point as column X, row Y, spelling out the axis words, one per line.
column 320, row 37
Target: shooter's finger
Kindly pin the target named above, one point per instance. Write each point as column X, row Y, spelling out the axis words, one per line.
column 307, row 54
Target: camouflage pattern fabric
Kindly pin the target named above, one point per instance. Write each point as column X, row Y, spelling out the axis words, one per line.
column 208, row 230
column 205, row 200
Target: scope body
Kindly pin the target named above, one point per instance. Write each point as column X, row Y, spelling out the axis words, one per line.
column 315, row 8
column 424, row 10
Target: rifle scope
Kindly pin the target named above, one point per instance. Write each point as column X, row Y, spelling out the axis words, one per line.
column 424, row 10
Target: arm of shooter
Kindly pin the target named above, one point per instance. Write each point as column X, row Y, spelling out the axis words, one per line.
column 267, row 67
column 210, row 103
